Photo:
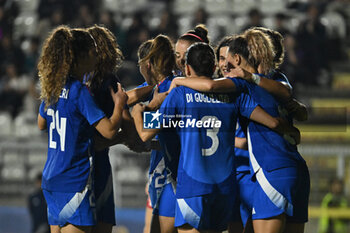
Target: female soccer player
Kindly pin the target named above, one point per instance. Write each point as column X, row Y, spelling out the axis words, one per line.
column 221, row 53
column 68, row 112
column 276, row 84
column 205, row 182
column 282, row 181
column 198, row 34
column 109, row 59
column 157, row 61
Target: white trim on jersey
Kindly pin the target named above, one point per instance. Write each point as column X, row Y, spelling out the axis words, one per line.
column 74, row 203
column 72, row 206
column 187, row 212
column 276, row 197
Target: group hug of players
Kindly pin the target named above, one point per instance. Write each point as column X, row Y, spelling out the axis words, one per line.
column 227, row 159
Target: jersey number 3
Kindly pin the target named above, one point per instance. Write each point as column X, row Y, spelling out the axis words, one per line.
column 213, row 134
column 60, row 125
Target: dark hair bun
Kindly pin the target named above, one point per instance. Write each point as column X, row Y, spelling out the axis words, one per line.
column 202, row 32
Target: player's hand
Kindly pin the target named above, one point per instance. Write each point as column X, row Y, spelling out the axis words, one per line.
column 120, row 97
column 174, row 83
column 289, row 132
column 293, row 137
column 235, row 72
column 157, row 99
column 239, row 73
column 137, row 109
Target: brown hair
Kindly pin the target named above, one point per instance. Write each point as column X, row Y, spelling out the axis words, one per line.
column 144, row 49
column 109, row 54
column 277, row 41
column 55, row 63
column 260, row 49
column 256, row 48
column 161, row 55
column 61, row 51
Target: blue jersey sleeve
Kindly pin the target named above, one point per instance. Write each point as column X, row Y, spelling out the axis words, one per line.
column 42, row 111
column 88, row 107
column 241, row 84
column 246, row 105
column 142, row 85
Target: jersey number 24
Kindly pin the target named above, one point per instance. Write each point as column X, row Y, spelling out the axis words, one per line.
column 60, row 125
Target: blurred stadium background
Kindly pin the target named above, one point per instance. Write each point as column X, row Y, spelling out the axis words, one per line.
column 317, row 41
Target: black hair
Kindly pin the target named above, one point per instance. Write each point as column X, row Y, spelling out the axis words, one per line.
column 239, row 45
column 198, row 34
column 201, row 57
column 82, row 42
column 223, row 43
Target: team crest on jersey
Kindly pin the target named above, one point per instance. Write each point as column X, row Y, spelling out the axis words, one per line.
column 151, row 120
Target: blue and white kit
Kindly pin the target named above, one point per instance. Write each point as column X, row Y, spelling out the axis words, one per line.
column 68, row 168
column 206, row 159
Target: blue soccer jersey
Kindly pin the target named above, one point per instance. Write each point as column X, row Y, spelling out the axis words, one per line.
column 206, row 126
column 269, row 149
column 163, row 163
column 242, row 156
column 69, row 137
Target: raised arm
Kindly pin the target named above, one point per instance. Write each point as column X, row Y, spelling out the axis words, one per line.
column 223, row 85
column 138, row 94
column 280, row 90
column 145, row 134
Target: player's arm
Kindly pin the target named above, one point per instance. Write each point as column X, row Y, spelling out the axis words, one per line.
column 241, row 143
column 222, row 85
column 138, row 94
column 109, row 127
column 145, row 134
column 132, row 139
column 41, row 122
column 275, row 123
column 280, row 90
column 157, row 100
